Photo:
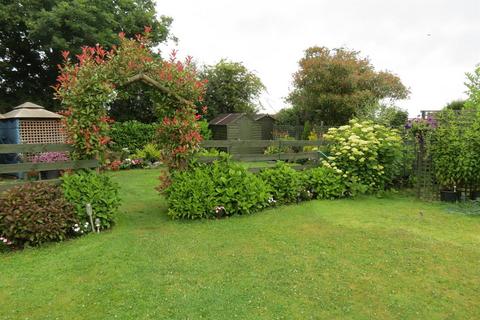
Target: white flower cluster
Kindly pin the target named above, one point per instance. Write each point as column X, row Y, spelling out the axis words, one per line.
column 219, row 209
column 272, row 201
column 79, row 228
column 5, row 241
column 355, row 149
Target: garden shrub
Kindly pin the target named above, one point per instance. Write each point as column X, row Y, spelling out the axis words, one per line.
column 285, row 183
column 149, row 153
column 99, row 190
column 368, row 155
column 219, row 189
column 324, row 183
column 35, row 213
column 455, row 149
column 132, row 135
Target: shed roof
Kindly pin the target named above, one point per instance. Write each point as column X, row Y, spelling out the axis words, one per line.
column 262, row 115
column 226, row 119
column 30, row 110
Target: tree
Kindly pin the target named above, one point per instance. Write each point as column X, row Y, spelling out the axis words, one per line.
column 455, row 105
column 473, row 85
column 231, row 87
column 336, row 85
column 33, row 34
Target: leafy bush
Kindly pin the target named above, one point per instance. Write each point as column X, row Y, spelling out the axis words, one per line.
column 149, row 153
column 282, row 148
column 366, row 154
column 205, row 131
column 99, row 190
column 35, row 213
column 215, row 190
column 454, row 148
column 132, row 134
column 285, row 183
column 324, row 183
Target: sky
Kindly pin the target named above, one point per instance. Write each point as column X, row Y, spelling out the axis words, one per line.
column 429, row 44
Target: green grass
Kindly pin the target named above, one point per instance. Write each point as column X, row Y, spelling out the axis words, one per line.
column 366, row 258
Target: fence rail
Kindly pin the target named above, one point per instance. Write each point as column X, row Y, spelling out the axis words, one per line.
column 260, row 143
column 24, row 167
column 312, row 156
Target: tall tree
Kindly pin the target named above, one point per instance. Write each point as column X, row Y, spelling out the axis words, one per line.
column 231, row 87
column 33, row 34
column 336, row 85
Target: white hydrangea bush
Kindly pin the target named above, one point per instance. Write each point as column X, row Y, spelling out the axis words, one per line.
column 365, row 153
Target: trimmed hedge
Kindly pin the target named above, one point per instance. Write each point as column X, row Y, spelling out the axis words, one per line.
column 133, row 135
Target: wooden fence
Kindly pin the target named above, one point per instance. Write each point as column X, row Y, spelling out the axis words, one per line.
column 311, row 157
column 26, row 167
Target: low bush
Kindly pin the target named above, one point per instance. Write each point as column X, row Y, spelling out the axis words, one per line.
column 149, row 153
column 215, row 190
column 324, row 183
column 99, row 190
column 284, row 182
column 133, row 135
column 35, row 213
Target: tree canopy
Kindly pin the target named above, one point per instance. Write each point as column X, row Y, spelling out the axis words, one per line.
column 33, row 33
column 336, row 85
column 231, row 87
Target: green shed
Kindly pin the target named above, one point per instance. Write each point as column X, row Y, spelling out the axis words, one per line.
column 267, row 123
column 236, row 126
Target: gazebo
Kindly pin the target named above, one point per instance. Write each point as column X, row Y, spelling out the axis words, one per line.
column 31, row 123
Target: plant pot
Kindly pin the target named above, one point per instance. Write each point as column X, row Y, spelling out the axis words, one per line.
column 450, row 196
column 475, row 195
column 50, row 174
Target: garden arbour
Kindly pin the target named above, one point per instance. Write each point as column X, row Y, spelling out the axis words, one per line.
column 87, row 87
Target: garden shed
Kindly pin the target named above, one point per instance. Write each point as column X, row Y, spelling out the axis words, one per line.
column 236, row 126
column 267, row 123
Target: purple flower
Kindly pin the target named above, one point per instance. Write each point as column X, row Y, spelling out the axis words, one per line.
column 49, row 157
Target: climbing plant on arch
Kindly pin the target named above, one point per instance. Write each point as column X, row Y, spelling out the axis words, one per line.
column 88, row 84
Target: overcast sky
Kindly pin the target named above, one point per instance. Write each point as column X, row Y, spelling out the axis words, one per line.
column 430, row 44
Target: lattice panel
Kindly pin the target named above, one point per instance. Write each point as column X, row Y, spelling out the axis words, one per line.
column 41, row 131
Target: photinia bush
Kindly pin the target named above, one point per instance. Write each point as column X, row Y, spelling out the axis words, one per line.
column 87, row 87
column 35, row 213
column 366, row 154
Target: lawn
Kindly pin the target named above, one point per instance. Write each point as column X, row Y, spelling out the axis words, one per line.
column 368, row 258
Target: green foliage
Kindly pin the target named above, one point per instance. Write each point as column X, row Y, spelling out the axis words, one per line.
column 288, row 116
column 386, row 115
column 366, row 154
column 231, row 87
column 455, row 105
column 274, row 149
column 33, row 34
column 473, row 85
column 336, row 85
column 455, row 149
column 149, row 153
column 324, row 183
column 222, row 188
column 132, row 135
column 35, row 213
column 285, row 183
column 99, row 190
column 205, row 131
